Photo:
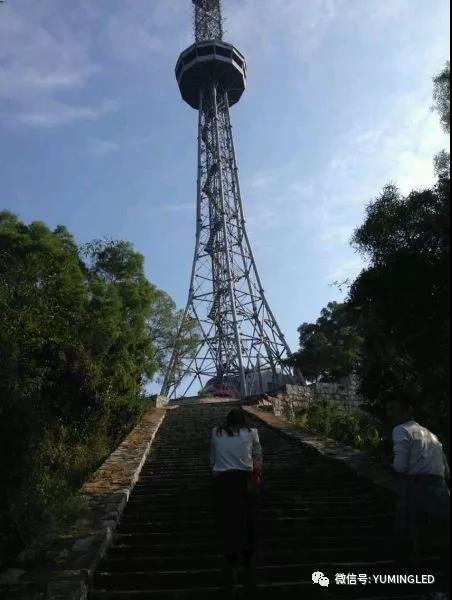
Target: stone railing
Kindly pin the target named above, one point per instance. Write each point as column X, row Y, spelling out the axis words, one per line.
column 59, row 567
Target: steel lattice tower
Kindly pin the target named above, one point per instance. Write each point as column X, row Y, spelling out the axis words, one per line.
column 239, row 338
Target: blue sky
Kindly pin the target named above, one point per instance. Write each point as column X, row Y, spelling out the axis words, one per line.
column 94, row 135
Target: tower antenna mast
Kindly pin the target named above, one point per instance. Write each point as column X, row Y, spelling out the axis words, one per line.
column 208, row 20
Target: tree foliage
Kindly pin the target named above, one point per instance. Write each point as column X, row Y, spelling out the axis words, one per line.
column 330, row 347
column 402, row 298
column 83, row 332
column 441, row 96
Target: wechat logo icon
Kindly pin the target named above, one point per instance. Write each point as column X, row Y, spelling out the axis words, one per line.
column 319, row 577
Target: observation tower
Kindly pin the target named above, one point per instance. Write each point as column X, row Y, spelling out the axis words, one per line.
column 239, row 344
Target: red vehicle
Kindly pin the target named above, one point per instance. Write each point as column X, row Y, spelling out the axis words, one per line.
column 220, row 392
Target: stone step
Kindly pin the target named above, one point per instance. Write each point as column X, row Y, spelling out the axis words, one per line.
column 313, row 515
column 156, row 544
column 306, row 512
column 164, row 579
column 173, row 484
column 323, row 558
column 290, row 527
column 204, row 514
column 280, row 591
column 204, row 520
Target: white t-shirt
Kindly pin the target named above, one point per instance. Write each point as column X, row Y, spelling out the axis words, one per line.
column 417, row 451
column 235, row 452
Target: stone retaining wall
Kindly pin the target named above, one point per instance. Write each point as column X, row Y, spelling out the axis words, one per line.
column 59, row 568
column 287, row 400
column 343, row 394
column 291, row 398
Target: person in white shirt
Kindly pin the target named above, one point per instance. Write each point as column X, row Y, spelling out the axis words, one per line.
column 236, row 462
column 422, row 511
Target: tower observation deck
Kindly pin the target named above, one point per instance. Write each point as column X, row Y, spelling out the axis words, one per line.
column 238, row 341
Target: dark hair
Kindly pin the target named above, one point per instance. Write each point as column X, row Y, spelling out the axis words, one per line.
column 404, row 403
column 405, row 395
column 406, row 399
column 235, row 420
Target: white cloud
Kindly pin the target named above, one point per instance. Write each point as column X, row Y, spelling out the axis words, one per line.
column 387, row 9
column 139, row 32
column 50, row 113
column 256, row 24
column 392, row 141
column 343, row 270
column 99, row 148
column 335, row 233
column 262, row 217
column 260, row 180
column 18, row 79
column 129, row 38
column 399, row 150
column 326, row 205
column 42, row 57
column 403, row 146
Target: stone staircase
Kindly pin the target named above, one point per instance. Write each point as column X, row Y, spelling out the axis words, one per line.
column 315, row 515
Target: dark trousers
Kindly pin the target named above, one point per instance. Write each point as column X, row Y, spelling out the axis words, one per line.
column 235, row 501
column 422, row 516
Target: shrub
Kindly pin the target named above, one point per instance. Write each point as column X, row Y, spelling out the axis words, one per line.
column 355, row 427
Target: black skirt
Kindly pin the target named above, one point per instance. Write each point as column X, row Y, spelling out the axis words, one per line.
column 235, row 500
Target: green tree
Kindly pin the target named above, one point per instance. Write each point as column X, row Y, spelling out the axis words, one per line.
column 402, row 298
column 441, row 96
column 83, row 332
column 330, row 347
